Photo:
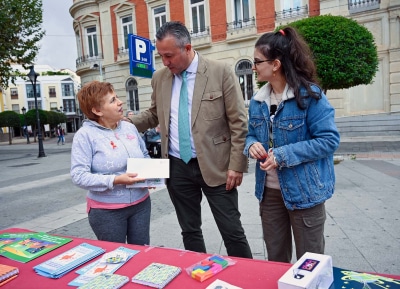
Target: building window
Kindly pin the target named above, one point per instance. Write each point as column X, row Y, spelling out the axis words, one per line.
column 67, row 89
column 291, row 4
column 15, row 108
column 92, row 46
column 78, row 44
column 127, row 28
column 160, row 16
column 14, row 93
column 52, row 91
column 241, row 10
column 29, row 91
column 198, row 17
column 291, row 9
column 133, row 95
column 53, row 106
column 31, row 104
column 69, row 105
column 245, row 73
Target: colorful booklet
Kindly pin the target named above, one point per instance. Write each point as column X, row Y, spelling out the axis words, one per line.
column 358, row 280
column 156, row 275
column 62, row 264
column 106, row 281
column 24, row 247
column 106, row 265
column 7, row 273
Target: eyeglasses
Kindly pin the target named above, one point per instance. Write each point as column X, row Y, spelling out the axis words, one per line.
column 255, row 62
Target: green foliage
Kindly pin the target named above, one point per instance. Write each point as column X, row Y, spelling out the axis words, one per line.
column 345, row 52
column 54, row 118
column 50, row 73
column 21, row 31
column 9, row 119
column 31, row 117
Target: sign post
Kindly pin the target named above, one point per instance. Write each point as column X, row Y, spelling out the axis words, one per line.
column 140, row 56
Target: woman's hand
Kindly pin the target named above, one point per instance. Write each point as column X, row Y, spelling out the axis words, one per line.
column 257, row 151
column 269, row 163
column 127, row 179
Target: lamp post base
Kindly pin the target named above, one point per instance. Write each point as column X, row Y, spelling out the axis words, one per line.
column 41, row 149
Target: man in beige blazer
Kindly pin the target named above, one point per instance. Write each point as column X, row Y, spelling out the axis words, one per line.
column 218, row 127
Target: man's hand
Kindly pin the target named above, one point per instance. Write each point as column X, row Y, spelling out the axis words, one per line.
column 233, row 179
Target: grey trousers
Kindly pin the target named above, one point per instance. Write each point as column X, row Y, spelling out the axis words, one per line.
column 278, row 223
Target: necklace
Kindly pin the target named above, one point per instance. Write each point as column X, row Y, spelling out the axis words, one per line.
column 274, row 103
column 277, row 98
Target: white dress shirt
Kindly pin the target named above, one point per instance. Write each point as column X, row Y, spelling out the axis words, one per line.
column 173, row 124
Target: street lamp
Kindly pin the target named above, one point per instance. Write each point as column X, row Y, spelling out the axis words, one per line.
column 26, row 126
column 32, row 77
column 100, row 68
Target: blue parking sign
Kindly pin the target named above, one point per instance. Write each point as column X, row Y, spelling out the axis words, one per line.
column 140, row 56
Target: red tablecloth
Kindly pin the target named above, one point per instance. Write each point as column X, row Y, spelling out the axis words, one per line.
column 245, row 273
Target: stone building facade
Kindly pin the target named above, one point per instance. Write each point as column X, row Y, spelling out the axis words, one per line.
column 226, row 31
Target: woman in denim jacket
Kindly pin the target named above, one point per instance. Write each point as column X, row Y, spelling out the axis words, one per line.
column 293, row 136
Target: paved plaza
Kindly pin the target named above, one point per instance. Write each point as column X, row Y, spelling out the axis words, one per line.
column 363, row 217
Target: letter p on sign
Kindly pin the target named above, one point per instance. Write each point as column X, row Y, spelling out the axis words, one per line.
column 140, row 46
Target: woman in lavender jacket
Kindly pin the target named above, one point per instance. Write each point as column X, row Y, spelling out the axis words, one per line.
column 100, row 150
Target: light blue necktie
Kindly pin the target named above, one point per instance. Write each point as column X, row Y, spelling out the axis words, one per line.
column 185, row 148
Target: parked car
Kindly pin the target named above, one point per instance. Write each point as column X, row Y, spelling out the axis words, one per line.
column 152, row 139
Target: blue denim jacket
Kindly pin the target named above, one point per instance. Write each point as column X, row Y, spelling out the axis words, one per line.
column 304, row 143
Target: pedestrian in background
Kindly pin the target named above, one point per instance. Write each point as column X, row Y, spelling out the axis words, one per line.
column 130, row 113
column 60, row 134
column 100, row 150
column 199, row 106
column 293, row 136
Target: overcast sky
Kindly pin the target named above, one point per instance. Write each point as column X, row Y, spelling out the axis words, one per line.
column 58, row 46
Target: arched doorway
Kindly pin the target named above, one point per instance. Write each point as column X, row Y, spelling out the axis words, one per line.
column 245, row 73
column 132, row 94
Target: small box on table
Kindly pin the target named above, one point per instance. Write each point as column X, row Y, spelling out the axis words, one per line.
column 310, row 271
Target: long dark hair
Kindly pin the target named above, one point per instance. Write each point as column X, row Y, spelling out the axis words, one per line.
column 296, row 58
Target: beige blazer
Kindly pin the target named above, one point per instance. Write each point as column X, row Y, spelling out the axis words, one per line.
column 219, row 120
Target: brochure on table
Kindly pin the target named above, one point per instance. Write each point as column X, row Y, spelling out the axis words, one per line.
column 65, row 262
column 348, row 279
column 24, row 247
column 7, row 273
column 156, row 275
column 107, row 264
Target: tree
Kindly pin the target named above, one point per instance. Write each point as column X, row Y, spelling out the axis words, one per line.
column 345, row 52
column 54, row 118
column 9, row 119
column 21, row 30
column 32, row 120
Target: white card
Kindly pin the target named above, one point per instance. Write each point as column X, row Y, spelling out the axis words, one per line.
column 149, row 168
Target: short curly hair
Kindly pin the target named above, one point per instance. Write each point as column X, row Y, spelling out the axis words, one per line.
column 92, row 96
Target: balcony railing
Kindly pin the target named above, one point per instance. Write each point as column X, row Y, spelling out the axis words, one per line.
column 292, row 12
column 199, row 32
column 85, row 59
column 356, row 6
column 123, row 54
column 240, row 24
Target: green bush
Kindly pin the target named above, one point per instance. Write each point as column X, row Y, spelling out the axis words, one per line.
column 345, row 52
